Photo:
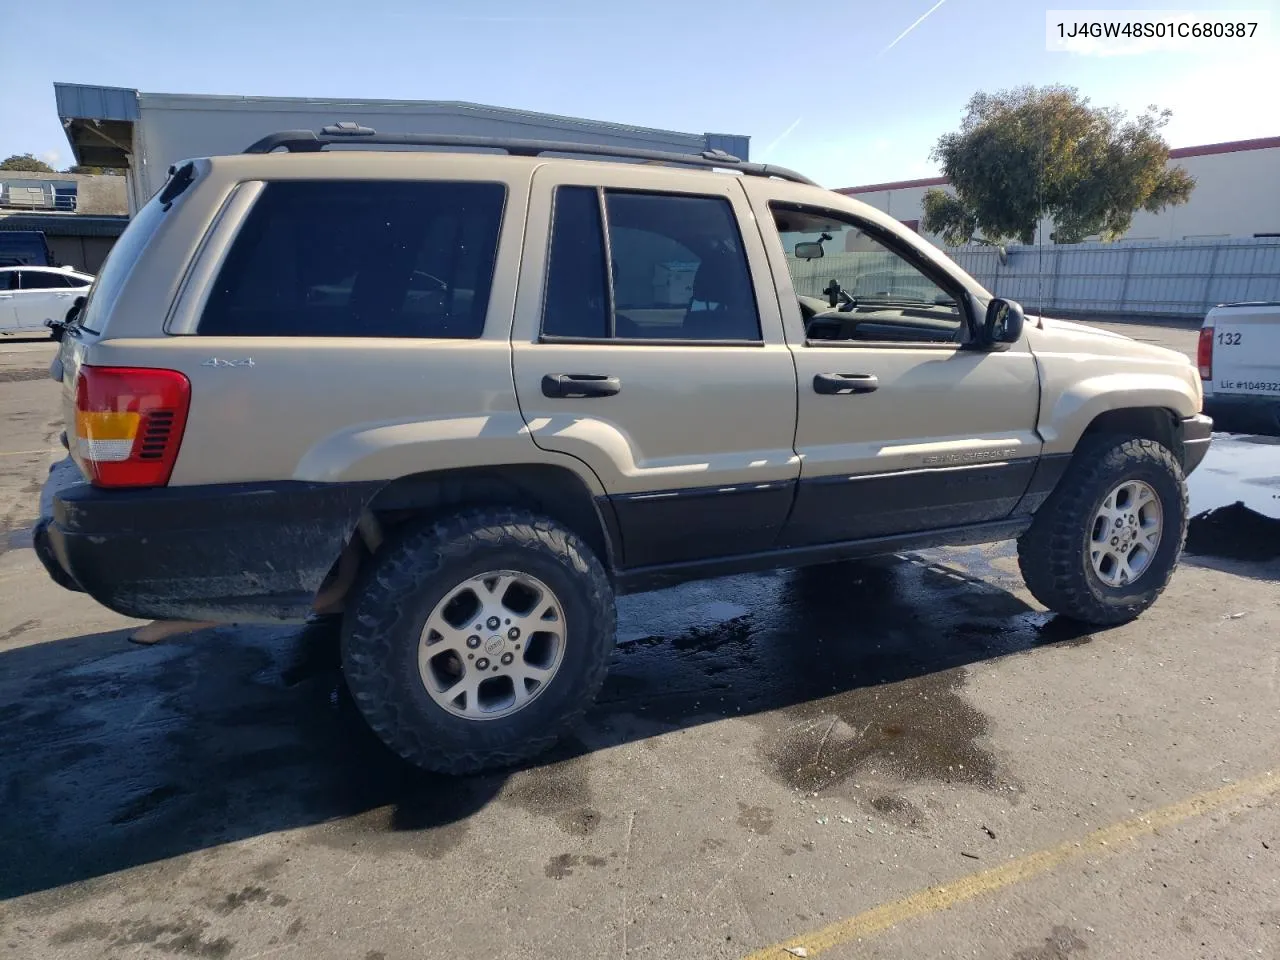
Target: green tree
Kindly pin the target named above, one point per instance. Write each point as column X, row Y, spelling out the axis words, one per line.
column 1024, row 154
column 26, row 163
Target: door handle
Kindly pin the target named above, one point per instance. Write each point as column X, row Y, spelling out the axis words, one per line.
column 6, row 296
column 844, row 383
column 566, row 386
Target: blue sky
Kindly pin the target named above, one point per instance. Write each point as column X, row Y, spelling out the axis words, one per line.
column 820, row 86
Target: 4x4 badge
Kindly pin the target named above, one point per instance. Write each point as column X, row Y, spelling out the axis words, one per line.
column 217, row 362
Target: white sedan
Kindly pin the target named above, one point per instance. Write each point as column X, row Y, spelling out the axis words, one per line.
column 31, row 295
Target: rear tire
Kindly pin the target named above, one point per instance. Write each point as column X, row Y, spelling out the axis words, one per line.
column 422, row 591
column 1086, row 553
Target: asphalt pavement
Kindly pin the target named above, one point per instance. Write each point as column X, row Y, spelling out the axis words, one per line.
column 902, row 758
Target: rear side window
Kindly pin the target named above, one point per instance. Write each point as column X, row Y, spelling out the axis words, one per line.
column 360, row 259
column 9, row 280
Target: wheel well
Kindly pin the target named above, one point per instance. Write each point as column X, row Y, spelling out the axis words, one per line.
column 1152, row 423
column 555, row 492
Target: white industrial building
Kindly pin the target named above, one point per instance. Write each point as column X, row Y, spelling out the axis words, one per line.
column 1237, row 194
column 144, row 133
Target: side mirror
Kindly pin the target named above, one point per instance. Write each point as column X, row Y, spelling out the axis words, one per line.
column 809, row 251
column 1004, row 322
column 58, row 328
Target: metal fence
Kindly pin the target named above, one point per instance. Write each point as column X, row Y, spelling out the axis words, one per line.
column 862, row 274
column 1171, row 278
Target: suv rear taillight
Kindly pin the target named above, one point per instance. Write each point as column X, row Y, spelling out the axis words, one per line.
column 1204, row 353
column 129, row 423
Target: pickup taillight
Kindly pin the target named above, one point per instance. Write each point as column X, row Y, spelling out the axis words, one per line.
column 129, row 424
column 1204, row 353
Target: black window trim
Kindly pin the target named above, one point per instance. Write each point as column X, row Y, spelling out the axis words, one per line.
column 602, row 192
column 930, row 270
column 612, row 319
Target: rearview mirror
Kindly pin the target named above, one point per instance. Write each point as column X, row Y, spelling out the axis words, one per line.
column 809, row 251
column 1004, row 322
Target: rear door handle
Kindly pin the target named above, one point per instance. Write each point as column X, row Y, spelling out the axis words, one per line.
column 567, row 386
column 844, row 383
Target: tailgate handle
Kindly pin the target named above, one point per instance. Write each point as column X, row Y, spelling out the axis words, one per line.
column 566, row 386
column 844, row 383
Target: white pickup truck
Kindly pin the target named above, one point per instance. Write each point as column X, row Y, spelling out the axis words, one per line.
column 1239, row 360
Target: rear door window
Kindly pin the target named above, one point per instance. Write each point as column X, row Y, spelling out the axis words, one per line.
column 677, row 269
column 361, row 259
column 42, row 280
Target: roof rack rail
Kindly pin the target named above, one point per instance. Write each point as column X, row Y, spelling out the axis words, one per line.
column 347, row 133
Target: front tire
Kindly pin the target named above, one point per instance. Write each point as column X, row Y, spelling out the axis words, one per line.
column 1103, row 546
column 476, row 642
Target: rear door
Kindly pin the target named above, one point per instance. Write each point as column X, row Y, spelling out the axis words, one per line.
column 1246, row 350
column 647, row 343
column 903, row 426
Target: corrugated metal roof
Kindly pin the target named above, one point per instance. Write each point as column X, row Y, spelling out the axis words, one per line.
column 85, row 102
column 180, row 101
column 54, row 225
column 79, row 101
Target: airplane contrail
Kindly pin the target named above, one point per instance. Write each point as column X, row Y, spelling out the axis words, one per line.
column 783, row 135
column 923, row 17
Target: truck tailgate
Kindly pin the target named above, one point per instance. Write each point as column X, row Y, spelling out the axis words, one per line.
column 1246, row 349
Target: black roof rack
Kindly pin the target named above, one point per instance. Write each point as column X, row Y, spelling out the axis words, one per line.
column 346, row 133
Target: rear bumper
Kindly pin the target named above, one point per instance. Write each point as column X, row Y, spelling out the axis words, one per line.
column 1196, row 434
column 222, row 552
column 1244, row 413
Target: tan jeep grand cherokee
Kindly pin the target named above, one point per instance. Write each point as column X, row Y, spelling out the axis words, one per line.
column 465, row 398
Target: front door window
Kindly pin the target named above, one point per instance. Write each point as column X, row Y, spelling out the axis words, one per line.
column 852, row 286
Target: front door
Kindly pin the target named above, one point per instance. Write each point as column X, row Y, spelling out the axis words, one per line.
column 42, row 295
column 903, row 426
column 648, row 344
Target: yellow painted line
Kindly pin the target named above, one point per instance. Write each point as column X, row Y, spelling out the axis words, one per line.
column 934, row 899
column 20, row 453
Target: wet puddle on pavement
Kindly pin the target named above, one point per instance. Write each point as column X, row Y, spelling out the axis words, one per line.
column 1235, row 500
column 1240, row 469
column 852, row 670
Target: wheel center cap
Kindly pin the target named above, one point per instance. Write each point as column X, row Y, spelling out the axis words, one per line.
column 493, row 644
